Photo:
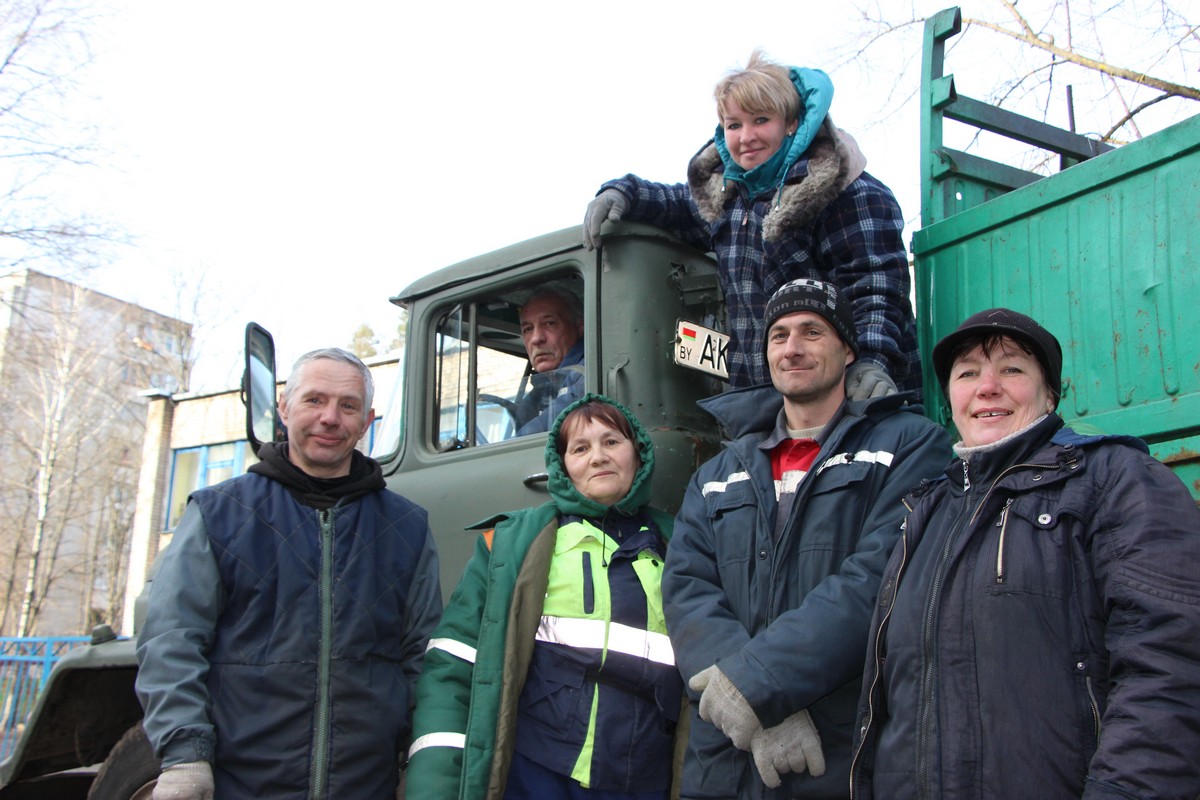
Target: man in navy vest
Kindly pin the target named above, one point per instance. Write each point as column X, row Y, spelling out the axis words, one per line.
column 289, row 616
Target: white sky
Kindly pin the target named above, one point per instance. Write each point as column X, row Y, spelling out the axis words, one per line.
column 311, row 159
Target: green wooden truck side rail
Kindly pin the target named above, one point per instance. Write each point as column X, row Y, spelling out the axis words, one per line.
column 1103, row 253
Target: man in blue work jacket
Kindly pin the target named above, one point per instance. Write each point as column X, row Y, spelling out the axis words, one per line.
column 777, row 555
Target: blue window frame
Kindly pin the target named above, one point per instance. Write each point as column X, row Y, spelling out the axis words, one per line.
column 194, row 468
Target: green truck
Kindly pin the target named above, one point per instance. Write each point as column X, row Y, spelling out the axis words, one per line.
column 1101, row 253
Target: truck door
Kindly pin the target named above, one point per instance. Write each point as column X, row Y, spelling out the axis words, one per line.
column 472, row 446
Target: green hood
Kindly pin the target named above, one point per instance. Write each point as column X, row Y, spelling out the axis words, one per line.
column 568, row 498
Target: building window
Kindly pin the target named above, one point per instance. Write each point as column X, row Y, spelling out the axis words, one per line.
column 198, row 467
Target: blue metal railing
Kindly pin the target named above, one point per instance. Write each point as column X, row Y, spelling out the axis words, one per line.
column 25, row 663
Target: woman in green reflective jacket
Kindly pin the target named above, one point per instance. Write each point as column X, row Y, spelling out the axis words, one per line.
column 551, row 674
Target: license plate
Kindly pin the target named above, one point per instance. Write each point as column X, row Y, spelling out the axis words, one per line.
column 701, row 348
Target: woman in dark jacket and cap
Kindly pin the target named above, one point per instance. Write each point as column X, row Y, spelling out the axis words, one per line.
column 1038, row 627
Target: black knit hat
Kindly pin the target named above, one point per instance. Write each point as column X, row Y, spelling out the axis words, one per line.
column 819, row 297
column 1006, row 322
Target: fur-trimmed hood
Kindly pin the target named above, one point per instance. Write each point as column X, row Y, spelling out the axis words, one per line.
column 832, row 162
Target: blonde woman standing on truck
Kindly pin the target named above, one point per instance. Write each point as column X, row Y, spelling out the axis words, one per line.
column 779, row 193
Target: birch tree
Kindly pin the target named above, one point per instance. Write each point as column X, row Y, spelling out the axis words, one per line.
column 72, row 368
column 71, row 361
column 43, row 50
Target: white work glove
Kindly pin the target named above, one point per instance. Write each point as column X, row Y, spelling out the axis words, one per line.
column 609, row 205
column 723, row 705
column 791, row 746
column 865, row 381
column 190, row 781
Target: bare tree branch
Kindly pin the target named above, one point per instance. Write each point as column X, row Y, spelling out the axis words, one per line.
column 43, row 48
column 1029, row 37
column 1133, row 112
column 1114, row 54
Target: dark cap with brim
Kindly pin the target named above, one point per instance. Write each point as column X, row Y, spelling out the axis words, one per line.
column 1004, row 322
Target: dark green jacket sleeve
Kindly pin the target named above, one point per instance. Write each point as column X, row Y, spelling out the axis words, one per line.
column 444, row 689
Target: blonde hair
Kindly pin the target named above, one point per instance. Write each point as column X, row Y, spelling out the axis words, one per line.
column 762, row 87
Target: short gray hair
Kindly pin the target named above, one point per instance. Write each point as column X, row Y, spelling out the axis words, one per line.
column 333, row 354
column 569, row 301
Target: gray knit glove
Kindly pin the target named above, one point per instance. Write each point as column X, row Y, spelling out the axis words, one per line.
column 724, row 706
column 609, row 205
column 791, row 746
column 190, row 781
column 865, row 381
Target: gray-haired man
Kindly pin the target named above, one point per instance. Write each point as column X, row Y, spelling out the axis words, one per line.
column 552, row 329
column 288, row 618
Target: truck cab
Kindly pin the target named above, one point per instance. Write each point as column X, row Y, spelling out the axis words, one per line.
column 451, row 440
column 453, row 447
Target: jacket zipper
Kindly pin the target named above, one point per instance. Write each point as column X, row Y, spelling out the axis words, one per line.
column 1004, row 513
column 589, row 589
column 1000, row 546
column 1001, row 477
column 862, row 733
column 924, row 789
column 320, row 775
column 935, row 588
column 765, row 524
column 799, row 501
column 1095, row 707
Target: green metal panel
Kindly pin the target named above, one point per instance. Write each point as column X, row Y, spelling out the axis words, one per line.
column 951, row 180
column 1104, row 254
column 934, row 96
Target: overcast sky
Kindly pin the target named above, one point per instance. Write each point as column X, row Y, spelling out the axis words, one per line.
column 311, row 159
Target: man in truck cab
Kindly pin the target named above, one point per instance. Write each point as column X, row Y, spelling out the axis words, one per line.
column 779, row 545
column 289, row 616
column 552, row 329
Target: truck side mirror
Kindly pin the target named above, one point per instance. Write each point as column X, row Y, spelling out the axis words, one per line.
column 258, row 386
